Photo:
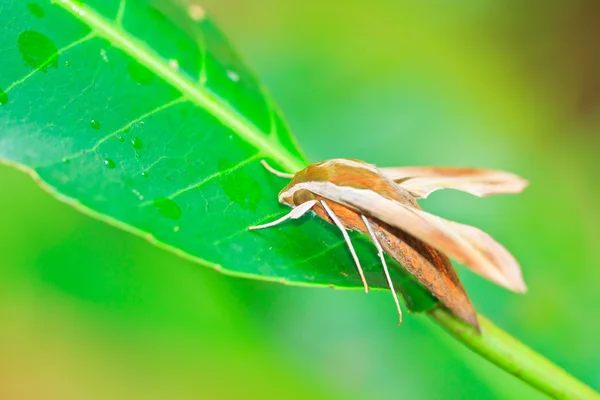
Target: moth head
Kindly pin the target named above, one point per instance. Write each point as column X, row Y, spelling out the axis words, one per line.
column 341, row 172
column 292, row 195
column 286, row 198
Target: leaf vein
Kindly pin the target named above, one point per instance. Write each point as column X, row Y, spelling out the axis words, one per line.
column 156, row 162
column 321, row 253
column 203, row 59
column 138, row 119
column 124, row 127
column 59, row 52
column 200, row 95
column 121, row 13
column 214, row 176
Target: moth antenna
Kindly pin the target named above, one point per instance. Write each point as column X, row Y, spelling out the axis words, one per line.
column 337, row 221
column 296, row 213
column 274, row 171
column 385, row 267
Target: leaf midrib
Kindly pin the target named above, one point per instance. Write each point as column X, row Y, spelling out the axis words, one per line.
column 201, row 96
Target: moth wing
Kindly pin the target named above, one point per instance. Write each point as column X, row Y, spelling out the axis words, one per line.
column 430, row 267
column 466, row 244
column 421, row 181
column 499, row 267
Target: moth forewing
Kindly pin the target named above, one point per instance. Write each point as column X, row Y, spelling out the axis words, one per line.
column 421, row 181
column 501, row 267
column 430, row 267
column 476, row 251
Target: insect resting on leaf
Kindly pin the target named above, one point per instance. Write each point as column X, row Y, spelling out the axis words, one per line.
column 381, row 202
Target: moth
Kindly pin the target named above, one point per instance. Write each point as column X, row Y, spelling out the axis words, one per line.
column 382, row 203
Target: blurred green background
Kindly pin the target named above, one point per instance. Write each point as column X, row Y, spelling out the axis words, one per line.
column 90, row 312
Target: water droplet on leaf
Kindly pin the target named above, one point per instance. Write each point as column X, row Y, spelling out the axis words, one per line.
column 95, row 124
column 67, row 64
column 3, row 97
column 145, row 174
column 139, row 73
column 126, row 130
column 233, row 76
column 36, row 10
column 173, row 64
column 109, row 163
column 136, row 142
column 65, row 160
column 167, row 207
column 104, row 55
column 37, row 50
column 121, row 139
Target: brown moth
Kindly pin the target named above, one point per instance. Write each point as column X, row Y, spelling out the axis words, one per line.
column 381, row 202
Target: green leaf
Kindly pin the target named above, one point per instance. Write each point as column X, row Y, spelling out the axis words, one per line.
column 142, row 115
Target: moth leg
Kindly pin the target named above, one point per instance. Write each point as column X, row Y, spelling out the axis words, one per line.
column 385, row 267
column 274, row 171
column 296, row 213
column 337, row 221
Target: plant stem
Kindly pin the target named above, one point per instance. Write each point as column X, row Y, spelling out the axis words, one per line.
column 514, row 357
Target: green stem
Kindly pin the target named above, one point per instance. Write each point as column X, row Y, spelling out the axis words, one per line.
column 515, row 358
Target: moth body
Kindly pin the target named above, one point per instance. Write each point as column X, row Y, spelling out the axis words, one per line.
column 355, row 195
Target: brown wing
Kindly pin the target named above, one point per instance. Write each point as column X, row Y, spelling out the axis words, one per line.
column 421, row 181
column 432, row 268
column 468, row 245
